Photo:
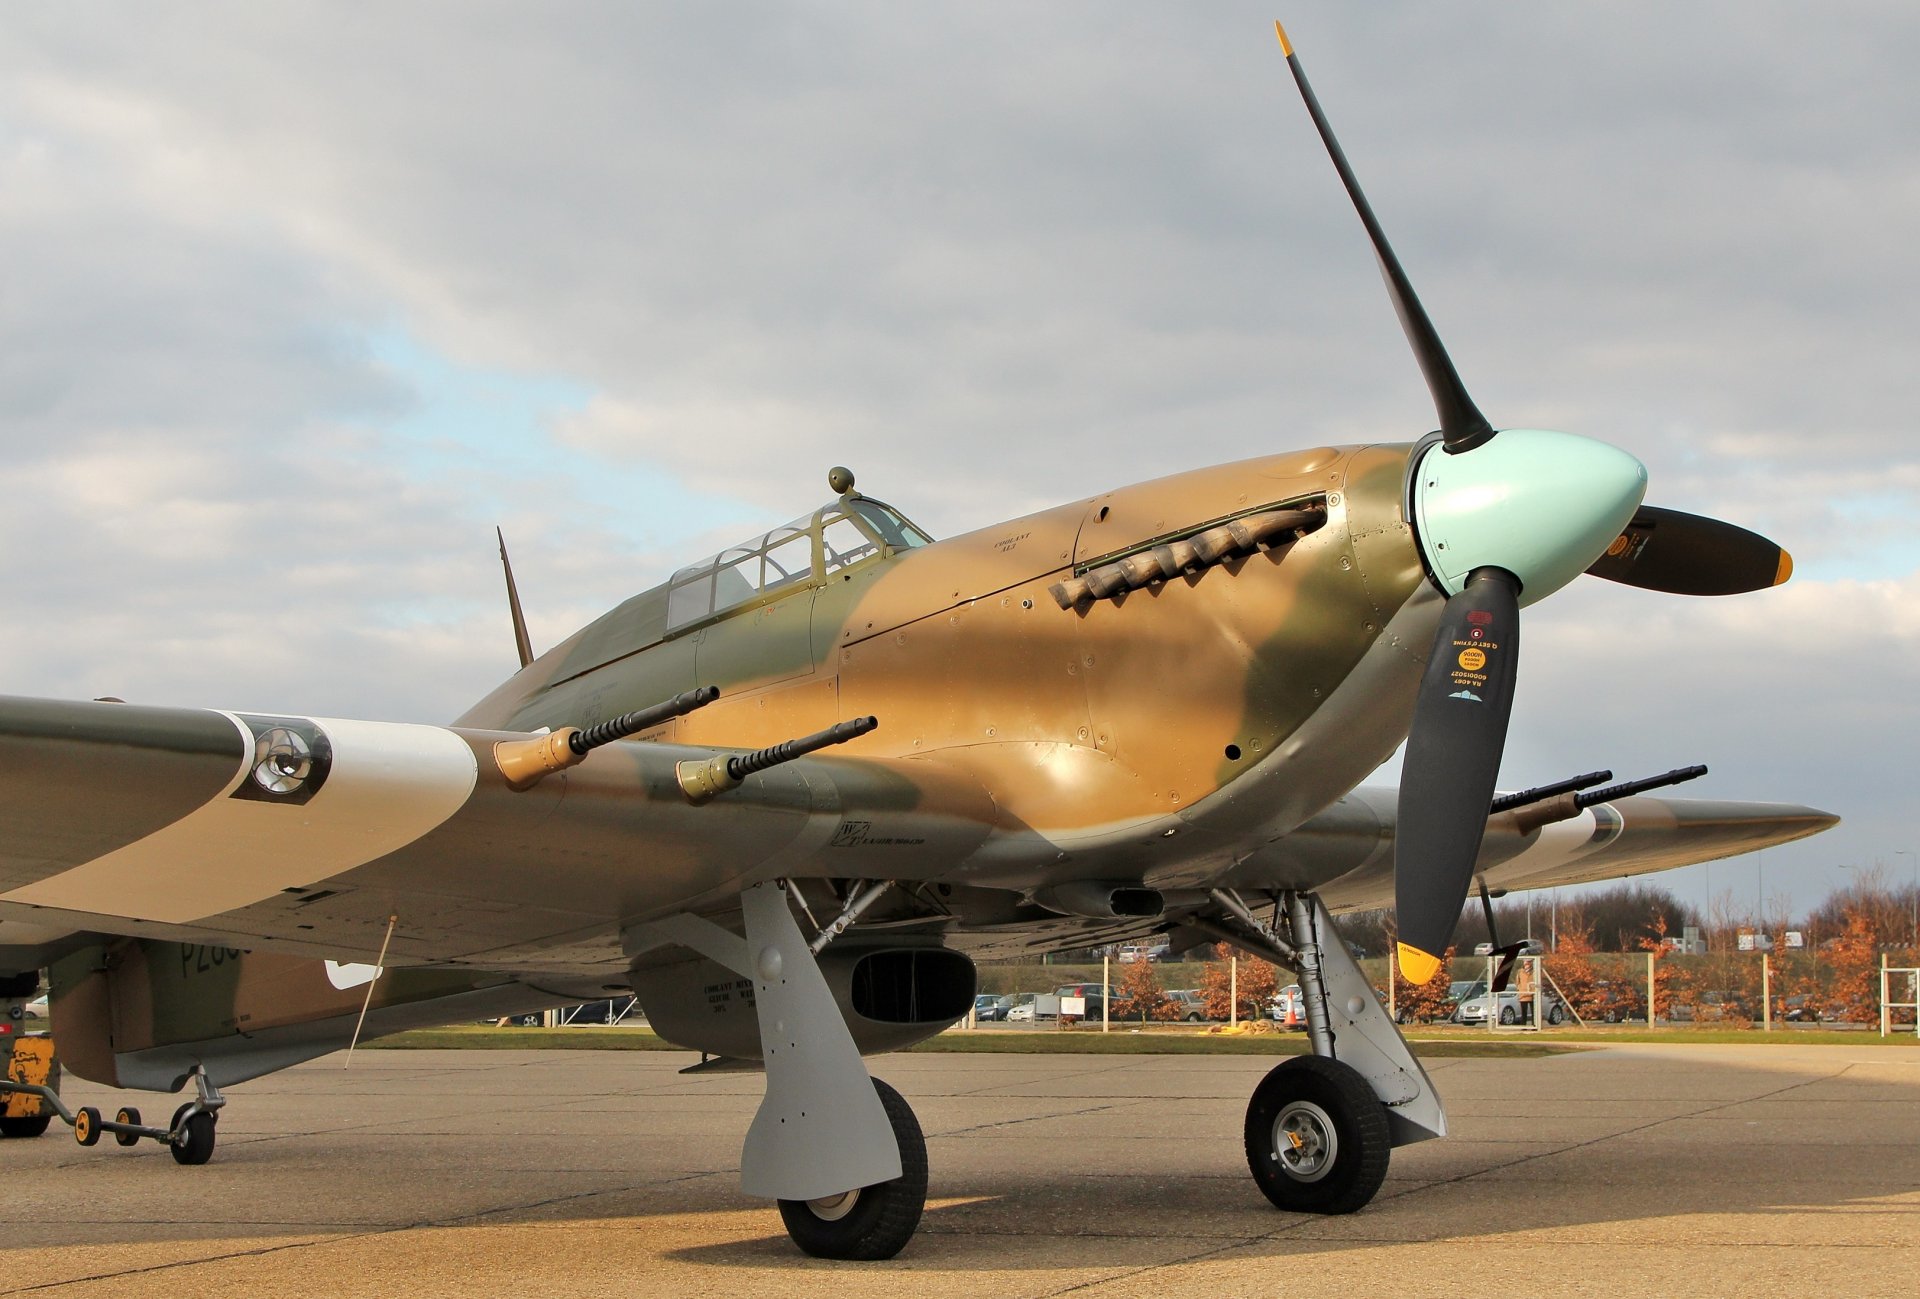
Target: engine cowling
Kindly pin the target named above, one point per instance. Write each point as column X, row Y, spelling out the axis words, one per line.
column 891, row 996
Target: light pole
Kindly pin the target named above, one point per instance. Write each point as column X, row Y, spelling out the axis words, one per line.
column 1853, row 880
column 1908, row 853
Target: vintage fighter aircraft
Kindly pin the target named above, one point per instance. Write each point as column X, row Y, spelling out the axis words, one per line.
column 1143, row 712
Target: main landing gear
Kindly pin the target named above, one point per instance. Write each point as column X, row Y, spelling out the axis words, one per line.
column 840, row 1151
column 1321, row 1128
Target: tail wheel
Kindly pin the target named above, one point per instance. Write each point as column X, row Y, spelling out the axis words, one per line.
column 1317, row 1138
column 872, row 1222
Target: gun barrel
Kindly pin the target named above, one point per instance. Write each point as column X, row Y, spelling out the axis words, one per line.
column 1678, row 776
column 746, row 764
column 1539, row 793
column 619, row 728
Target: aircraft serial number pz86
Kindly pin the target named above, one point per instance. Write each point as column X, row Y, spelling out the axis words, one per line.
column 201, row 959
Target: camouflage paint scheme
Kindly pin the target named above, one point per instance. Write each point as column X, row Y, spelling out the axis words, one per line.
column 1201, row 729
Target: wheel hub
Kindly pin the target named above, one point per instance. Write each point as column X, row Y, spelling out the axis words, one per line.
column 1304, row 1141
column 832, row 1208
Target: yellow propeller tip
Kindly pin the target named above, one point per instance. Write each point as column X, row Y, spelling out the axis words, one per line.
column 1286, row 46
column 1786, row 568
column 1416, row 966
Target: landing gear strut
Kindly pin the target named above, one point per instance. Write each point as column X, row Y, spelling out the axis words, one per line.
column 838, row 1150
column 1321, row 1128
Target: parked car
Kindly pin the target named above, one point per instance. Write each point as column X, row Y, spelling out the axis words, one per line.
column 1191, row 1005
column 1800, row 1009
column 984, row 1004
column 1513, row 1009
column 1711, row 1007
column 1015, row 1008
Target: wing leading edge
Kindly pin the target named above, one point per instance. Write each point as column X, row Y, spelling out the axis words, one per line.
column 1349, row 847
column 307, row 835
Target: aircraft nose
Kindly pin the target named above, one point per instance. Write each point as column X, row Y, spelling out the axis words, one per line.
column 1539, row 504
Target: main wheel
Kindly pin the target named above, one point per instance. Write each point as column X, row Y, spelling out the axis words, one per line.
column 1317, row 1139
column 873, row 1222
column 192, row 1138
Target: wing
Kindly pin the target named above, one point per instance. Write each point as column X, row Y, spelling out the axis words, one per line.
column 1349, row 847
column 309, row 835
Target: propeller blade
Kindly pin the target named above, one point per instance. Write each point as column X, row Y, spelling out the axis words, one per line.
column 1453, row 756
column 1687, row 554
column 1461, row 424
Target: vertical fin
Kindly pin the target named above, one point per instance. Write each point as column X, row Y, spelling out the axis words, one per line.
column 520, row 641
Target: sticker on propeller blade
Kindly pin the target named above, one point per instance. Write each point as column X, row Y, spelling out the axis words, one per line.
column 1479, row 617
column 1466, row 694
column 1473, row 659
column 291, row 759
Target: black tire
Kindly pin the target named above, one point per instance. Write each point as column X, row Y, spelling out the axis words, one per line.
column 86, row 1125
column 1556, row 1014
column 877, row 1221
column 192, row 1137
column 131, row 1116
column 34, row 1126
column 1337, row 1130
column 1508, row 1015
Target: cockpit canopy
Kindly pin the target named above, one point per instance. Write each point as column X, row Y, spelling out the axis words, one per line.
column 837, row 536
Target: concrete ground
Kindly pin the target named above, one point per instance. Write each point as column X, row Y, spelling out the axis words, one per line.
column 1621, row 1171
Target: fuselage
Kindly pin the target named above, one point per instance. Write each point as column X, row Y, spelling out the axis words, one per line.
column 1187, row 703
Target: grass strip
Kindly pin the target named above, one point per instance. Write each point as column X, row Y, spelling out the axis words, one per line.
column 474, row 1037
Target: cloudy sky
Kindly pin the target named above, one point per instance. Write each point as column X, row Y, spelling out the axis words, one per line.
column 299, row 301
